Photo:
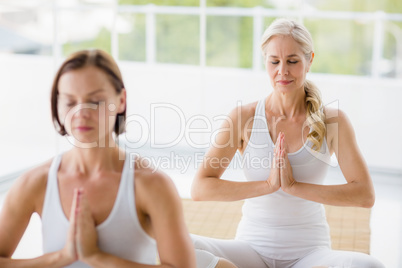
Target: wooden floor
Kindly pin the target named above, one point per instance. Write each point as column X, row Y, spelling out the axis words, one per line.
column 350, row 229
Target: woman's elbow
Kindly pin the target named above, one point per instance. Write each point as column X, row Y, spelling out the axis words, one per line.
column 368, row 200
column 196, row 194
column 364, row 195
column 198, row 189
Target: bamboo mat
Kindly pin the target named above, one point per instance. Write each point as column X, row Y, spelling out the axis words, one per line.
column 350, row 227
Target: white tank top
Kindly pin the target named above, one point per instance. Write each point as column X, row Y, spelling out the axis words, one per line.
column 120, row 234
column 279, row 225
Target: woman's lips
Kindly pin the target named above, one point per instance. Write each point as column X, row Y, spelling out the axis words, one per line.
column 83, row 128
column 284, row 82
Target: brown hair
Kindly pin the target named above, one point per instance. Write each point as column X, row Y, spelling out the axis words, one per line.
column 81, row 59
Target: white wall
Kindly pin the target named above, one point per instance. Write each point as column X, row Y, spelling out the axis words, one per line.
column 26, row 132
column 373, row 106
column 27, row 136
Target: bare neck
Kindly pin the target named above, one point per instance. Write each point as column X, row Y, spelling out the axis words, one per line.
column 89, row 161
column 289, row 105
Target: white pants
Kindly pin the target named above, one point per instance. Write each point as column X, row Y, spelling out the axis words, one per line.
column 244, row 256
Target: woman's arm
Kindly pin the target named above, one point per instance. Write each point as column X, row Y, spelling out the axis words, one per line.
column 51, row 260
column 358, row 191
column 157, row 197
column 207, row 184
column 22, row 200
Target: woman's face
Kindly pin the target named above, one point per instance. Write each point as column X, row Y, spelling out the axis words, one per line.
column 88, row 104
column 286, row 64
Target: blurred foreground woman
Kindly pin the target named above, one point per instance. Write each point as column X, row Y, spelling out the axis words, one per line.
column 99, row 207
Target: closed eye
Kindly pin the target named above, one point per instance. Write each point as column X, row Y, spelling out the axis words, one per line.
column 71, row 104
column 290, row 61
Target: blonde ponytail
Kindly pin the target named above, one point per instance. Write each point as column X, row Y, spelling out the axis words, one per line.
column 315, row 115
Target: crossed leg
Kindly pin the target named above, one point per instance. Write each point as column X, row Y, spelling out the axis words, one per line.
column 225, row 253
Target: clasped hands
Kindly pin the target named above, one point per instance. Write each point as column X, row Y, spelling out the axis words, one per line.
column 81, row 241
column 281, row 175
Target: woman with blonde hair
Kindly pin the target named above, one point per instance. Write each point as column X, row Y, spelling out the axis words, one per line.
column 283, row 223
column 98, row 206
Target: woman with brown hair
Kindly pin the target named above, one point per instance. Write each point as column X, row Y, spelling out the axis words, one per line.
column 98, row 206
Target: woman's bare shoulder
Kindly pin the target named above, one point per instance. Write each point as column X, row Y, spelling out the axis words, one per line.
column 36, row 176
column 152, row 186
column 332, row 115
column 244, row 111
column 28, row 190
column 336, row 121
column 31, row 185
column 149, row 176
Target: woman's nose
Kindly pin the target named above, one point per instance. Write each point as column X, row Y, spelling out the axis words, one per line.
column 282, row 69
column 85, row 109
